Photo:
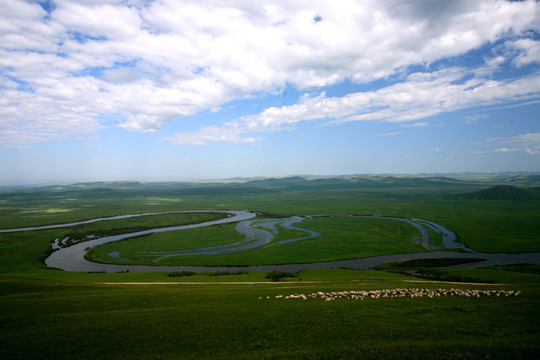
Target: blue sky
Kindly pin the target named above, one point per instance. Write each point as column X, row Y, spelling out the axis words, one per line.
column 168, row 90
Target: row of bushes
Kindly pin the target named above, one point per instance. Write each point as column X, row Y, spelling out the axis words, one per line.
column 274, row 275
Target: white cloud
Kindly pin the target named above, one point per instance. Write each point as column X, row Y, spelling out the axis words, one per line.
column 421, row 96
column 474, row 118
column 415, row 124
column 100, row 20
column 209, row 135
column 528, row 143
column 394, row 133
column 529, row 52
column 504, row 149
column 145, row 63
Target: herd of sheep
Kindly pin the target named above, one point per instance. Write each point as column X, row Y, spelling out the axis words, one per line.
column 395, row 293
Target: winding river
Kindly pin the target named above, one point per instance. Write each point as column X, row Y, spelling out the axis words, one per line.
column 260, row 233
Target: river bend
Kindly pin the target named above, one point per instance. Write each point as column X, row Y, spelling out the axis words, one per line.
column 260, row 233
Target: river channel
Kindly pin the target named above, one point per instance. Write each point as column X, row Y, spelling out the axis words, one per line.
column 261, row 233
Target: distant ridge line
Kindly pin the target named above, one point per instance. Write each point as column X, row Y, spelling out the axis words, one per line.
column 514, row 178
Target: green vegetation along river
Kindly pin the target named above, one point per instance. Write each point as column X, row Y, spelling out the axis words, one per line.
column 72, row 258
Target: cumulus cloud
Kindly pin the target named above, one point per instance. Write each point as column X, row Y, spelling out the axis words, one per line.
column 78, row 66
column 420, row 96
column 528, row 52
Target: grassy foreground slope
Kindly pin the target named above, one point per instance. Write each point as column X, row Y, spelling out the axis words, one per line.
column 76, row 316
column 51, row 314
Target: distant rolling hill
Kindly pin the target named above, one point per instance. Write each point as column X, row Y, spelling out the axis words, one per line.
column 420, row 185
column 503, row 192
column 278, row 182
column 298, row 183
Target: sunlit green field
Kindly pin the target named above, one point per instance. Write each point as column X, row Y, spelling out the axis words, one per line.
column 342, row 238
column 55, row 314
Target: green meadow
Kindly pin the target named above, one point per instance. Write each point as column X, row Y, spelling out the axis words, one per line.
column 342, row 238
column 53, row 314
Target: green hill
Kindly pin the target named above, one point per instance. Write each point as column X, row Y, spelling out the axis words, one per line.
column 503, row 192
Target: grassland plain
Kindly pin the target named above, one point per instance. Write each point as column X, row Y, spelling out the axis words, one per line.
column 48, row 314
column 343, row 238
column 139, row 250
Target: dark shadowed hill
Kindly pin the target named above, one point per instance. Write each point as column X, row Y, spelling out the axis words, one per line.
column 503, row 192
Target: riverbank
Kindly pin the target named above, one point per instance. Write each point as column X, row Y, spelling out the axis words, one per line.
column 73, row 257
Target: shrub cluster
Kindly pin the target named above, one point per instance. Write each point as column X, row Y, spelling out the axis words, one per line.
column 221, row 273
column 180, row 273
column 276, row 275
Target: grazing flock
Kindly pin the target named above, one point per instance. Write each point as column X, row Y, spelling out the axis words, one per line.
column 395, row 293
